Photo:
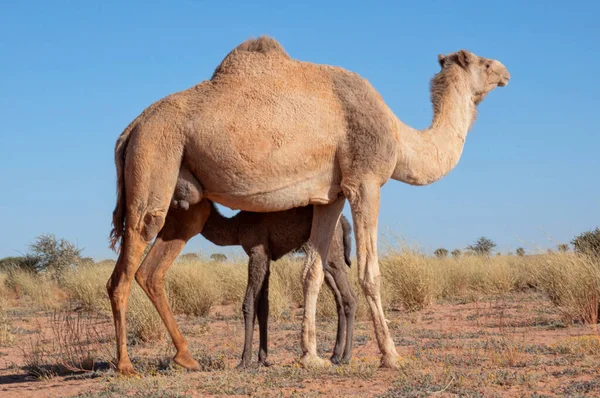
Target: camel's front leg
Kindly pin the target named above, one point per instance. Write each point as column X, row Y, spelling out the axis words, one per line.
column 325, row 218
column 364, row 203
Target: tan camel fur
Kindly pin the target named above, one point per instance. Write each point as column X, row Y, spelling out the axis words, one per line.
column 267, row 237
column 268, row 133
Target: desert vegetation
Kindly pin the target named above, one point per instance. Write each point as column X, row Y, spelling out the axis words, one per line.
column 55, row 323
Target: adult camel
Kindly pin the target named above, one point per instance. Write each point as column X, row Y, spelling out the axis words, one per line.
column 268, row 133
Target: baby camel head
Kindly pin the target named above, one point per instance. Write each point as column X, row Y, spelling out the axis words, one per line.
column 481, row 75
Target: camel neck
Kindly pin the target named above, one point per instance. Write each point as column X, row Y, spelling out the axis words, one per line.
column 221, row 230
column 426, row 156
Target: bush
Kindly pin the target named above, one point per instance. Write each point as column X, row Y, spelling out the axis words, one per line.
column 49, row 254
column 441, row 252
column 588, row 243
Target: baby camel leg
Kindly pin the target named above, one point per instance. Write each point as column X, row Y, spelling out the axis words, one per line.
column 346, row 302
column 341, row 328
column 364, row 203
column 258, row 269
column 325, row 219
column 180, row 226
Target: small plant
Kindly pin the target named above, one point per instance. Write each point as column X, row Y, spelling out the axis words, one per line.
column 74, row 346
column 563, row 248
column 520, row 251
column 456, row 253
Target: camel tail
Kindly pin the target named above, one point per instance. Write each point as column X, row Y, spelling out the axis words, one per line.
column 347, row 230
column 118, row 221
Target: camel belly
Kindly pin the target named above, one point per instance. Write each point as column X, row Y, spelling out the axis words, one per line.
column 302, row 193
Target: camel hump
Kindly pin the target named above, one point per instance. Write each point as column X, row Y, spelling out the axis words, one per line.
column 263, row 45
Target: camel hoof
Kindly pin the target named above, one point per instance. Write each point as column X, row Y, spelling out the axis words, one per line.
column 242, row 365
column 313, row 361
column 345, row 360
column 390, row 361
column 265, row 363
column 186, row 361
column 127, row 370
column 335, row 359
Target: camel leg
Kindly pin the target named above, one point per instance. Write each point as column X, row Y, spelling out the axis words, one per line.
column 118, row 288
column 325, row 218
column 349, row 302
column 258, row 266
column 341, row 328
column 364, row 203
column 262, row 312
column 144, row 221
column 180, row 226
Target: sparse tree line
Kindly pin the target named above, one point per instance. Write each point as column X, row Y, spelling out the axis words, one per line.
column 585, row 243
column 47, row 253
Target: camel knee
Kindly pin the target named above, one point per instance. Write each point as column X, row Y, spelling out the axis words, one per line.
column 350, row 306
column 370, row 287
column 151, row 284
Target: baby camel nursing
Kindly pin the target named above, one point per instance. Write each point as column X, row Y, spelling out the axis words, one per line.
column 269, row 236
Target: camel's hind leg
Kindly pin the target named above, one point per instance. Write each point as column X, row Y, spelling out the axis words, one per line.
column 143, row 223
column 146, row 188
column 180, row 226
column 325, row 219
column 364, row 203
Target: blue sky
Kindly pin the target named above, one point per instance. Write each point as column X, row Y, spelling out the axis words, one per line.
column 74, row 74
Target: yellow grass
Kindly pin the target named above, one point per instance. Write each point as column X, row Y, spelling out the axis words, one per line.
column 410, row 281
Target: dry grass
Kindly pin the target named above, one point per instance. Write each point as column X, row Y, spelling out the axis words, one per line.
column 41, row 290
column 572, row 282
column 192, row 289
column 410, row 281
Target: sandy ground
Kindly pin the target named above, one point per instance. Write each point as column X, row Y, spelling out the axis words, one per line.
column 510, row 346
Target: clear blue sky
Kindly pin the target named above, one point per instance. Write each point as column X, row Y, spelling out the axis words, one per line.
column 74, row 74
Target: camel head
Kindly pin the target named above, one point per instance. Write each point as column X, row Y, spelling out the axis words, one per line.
column 481, row 75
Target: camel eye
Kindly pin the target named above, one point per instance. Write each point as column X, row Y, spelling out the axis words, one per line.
column 487, row 66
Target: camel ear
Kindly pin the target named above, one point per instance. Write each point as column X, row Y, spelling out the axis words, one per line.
column 464, row 58
column 441, row 60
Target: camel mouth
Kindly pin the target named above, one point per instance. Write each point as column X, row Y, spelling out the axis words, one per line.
column 504, row 80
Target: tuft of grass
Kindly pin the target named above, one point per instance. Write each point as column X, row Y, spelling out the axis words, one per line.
column 43, row 291
column 86, row 285
column 572, row 282
column 581, row 345
column 408, row 280
column 191, row 288
column 6, row 336
column 143, row 322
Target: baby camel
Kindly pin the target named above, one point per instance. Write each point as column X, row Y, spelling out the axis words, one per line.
column 270, row 236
